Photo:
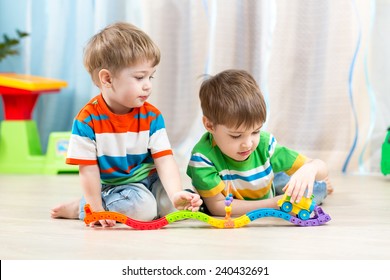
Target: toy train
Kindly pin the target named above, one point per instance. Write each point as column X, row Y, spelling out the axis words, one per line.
column 302, row 209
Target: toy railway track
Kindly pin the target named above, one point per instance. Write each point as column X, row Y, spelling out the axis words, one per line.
column 319, row 218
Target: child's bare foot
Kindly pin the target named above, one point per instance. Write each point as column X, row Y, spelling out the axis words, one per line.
column 329, row 186
column 68, row 210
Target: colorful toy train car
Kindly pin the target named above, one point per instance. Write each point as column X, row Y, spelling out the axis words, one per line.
column 302, row 209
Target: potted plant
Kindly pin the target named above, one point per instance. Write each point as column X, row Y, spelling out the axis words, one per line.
column 8, row 45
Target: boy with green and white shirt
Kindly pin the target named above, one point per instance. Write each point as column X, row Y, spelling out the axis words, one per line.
column 235, row 150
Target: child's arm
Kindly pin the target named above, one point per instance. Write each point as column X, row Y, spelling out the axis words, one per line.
column 304, row 177
column 216, row 205
column 169, row 175
column 90, row 182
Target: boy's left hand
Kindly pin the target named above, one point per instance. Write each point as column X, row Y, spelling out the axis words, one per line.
column 184, row 200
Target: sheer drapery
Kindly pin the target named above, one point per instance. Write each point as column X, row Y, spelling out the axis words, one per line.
column 320, row 64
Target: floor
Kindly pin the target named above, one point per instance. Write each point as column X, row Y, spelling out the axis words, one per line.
column 359, row 229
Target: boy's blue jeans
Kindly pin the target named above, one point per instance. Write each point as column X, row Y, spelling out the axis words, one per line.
column 143, row 201
column 319, row 190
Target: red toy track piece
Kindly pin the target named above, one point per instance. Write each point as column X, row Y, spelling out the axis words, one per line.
column 155, row 224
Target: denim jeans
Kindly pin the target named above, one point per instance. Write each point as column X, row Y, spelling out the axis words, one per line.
column 319, row 190
column 144, row 201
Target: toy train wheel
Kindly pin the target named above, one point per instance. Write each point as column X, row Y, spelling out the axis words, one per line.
column 286, row 207
column 304, row 214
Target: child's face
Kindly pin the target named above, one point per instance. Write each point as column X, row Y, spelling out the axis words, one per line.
column 237, row 143
column 130, row 88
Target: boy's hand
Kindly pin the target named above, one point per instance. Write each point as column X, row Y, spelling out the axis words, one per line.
column 301, row 180
column 103, row 223
column 184, row 200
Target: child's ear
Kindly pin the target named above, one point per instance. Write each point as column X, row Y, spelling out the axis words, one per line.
column 208, row 124
column 105, row 78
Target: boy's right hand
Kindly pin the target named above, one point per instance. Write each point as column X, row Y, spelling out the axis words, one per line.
column 103, row 223
column 184, row 200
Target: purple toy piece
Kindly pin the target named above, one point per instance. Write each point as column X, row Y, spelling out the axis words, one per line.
column 319, row 218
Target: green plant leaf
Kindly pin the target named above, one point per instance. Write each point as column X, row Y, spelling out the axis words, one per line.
column 7, row 46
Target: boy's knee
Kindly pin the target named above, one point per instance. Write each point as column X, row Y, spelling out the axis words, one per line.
column 143, row 215
column 142, row 207
column 164, row 204
column 319, row 192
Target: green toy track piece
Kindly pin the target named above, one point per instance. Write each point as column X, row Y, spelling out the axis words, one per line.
column 186, row 214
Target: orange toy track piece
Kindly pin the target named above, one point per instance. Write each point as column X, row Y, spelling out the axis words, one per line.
column 106, row 215
column 91, row 217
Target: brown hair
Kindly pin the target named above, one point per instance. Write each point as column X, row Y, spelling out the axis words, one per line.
column 232, row 98
column 118, row 46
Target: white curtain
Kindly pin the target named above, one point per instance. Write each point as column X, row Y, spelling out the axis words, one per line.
column 320, row 64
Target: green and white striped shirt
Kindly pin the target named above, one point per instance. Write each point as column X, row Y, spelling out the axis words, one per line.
column 251, row 179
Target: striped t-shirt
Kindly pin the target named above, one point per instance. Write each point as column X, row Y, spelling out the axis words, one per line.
column 123, row 146
column 210, row 170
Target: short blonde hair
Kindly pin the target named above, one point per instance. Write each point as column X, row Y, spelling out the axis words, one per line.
column 232, row 98
column 118, row 46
